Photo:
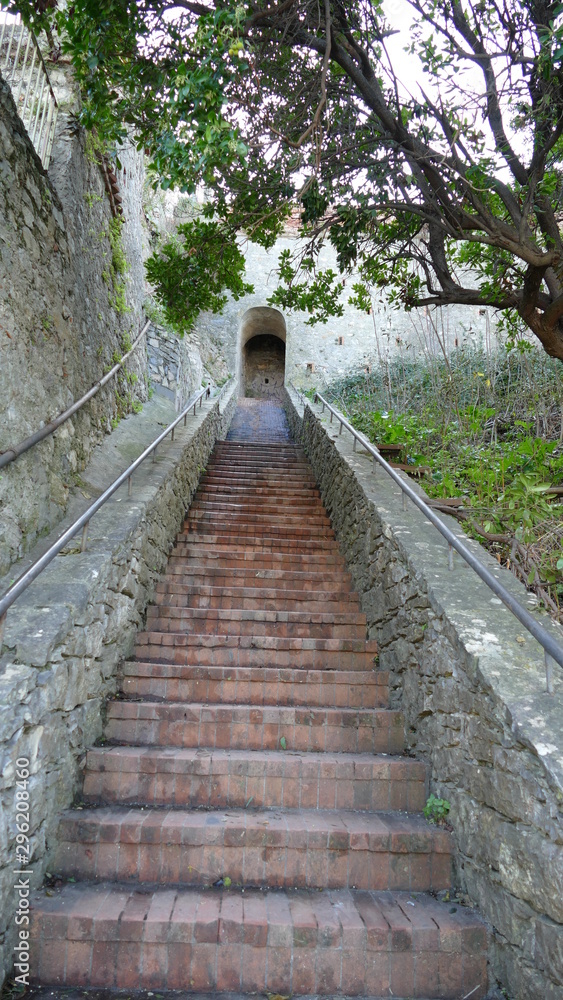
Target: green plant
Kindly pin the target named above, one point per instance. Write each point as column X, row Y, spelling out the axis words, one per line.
column 191, row 270
column 431, row 202
column 436, row 810
column 94, row 145
column 136, row 406
column 488, row 427
column 91, row 198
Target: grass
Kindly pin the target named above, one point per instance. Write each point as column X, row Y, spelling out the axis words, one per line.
column 487, row 425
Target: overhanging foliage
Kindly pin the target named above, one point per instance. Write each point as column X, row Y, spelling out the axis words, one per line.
column 451, row 194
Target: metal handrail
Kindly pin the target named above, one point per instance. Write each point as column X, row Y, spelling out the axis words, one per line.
column 552, row 650
column 23, row 582
column 34, row 97
column 11, row 454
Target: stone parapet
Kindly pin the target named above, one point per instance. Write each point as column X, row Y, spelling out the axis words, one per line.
column 67, row 634
column 471, row 683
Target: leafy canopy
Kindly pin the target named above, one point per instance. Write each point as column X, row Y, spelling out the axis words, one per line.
column 450, row 193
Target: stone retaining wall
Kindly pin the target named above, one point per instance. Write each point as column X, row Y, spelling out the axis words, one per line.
column 179, row 366
column 66, row 315
column 67, row 634
column 471, row 682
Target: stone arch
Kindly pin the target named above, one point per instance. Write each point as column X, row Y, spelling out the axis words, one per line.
column 263, row 336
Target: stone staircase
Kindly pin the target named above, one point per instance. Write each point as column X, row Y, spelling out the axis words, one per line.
column 251, row 824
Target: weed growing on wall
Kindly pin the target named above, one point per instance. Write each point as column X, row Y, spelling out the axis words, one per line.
column 487, row 430
column 119, row 265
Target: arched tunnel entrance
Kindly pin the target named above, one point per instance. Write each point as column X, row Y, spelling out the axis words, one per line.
column 263, row 334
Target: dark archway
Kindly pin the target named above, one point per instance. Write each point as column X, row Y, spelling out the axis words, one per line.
column 263, row 353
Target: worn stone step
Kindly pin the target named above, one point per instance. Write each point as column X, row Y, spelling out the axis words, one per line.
column 256, row 622
column 390, row 944
column 269, row 598
column 255, row 727
column 255, row 685
column 257, row 779
column 255, row 651
column 319, row 849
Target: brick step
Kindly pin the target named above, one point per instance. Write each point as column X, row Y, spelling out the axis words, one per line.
column 259, row 531
column 320, row 550
column 282, row 491
column 255, row 685
column 265, row 457
column 234, row 447
column 260, row 466
column 292, row 503
column 211, row 571
column 296, row 471
column 262, row 492
column 255, row 727
column 300, row 624
column 269, row 598
column 257, row 526
column 272, row 482
column 317, row 849
column 214, row 572
column 260, row 458
column 259, row 651
column 304, row 942
column 215, row 622
column 255, row 567
column 262, row 507
column 267, row 522
column 257, row 779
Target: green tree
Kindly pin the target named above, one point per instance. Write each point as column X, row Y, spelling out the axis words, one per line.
column 451, row 194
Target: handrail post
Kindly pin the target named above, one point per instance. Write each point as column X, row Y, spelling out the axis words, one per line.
column 549, row 661
column 450, row 557
column 2, row 624
column 84, row 541
column 172, row 435
column 154, row 454
column 404, row 495
column 129, row 485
